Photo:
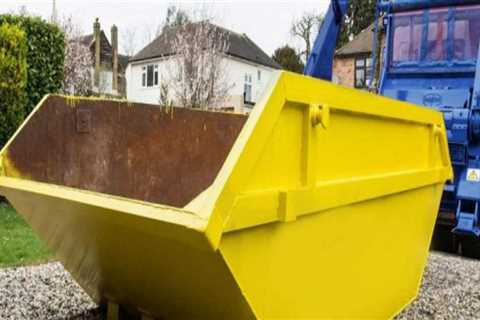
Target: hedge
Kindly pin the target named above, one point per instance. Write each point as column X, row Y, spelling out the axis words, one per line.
column 13, row 79
column 45, row 56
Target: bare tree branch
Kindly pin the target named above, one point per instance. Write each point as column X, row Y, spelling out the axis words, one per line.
column 129, row 41
column 305, row 28
column 198, row 73
column 78, row 61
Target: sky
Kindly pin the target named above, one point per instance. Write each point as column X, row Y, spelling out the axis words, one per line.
column 266, row 22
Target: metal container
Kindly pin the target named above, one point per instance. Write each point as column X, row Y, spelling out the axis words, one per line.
column 320, row 205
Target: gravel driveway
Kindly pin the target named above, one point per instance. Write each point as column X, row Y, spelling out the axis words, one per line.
column 451, row 290
column 42, row 292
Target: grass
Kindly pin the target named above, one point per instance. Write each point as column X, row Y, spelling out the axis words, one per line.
column 18, row 244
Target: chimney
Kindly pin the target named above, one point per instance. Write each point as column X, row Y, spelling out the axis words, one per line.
column 115, row 58
column 96, row 35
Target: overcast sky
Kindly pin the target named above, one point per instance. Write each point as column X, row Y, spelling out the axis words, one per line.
column 265, row 22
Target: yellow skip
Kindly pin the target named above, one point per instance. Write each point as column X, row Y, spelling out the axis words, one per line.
column 323, row 208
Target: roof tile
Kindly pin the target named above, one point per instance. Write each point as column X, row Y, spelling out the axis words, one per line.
column 240, row 46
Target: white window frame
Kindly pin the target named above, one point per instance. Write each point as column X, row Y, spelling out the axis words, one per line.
column 363, row 66
column 155, row 76
column 144, row 76
column 248, row 88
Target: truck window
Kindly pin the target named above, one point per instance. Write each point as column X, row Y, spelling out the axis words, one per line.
column 449, row 38
column 466, row 33
column 437, row 45
column 407, row 37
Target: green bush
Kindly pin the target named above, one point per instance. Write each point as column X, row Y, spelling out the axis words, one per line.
column 13, row 79
column 45, row 56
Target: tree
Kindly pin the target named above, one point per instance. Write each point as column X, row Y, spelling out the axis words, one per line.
column 198, row 73
column 175, row 18
column 165, row 100
column 360, row 15
column 288, row 58
column 45, row 56
column 78, row 61
column 22, row 11
column 305, row 28
column 150, row 32
column 13, row 79
column 129, row 44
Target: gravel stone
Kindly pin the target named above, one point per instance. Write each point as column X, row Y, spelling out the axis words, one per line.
column 450, row 290
column 43, row 292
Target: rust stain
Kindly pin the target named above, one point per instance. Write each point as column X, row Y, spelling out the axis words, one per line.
column 132, row 150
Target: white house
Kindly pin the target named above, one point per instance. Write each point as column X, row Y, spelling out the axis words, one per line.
column 248, row 70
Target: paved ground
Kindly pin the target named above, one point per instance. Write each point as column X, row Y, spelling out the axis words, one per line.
column 451, row 290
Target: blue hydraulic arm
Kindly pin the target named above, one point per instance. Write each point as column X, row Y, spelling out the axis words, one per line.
column 320, row 62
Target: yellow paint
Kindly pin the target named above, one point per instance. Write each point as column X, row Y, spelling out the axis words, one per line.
column 113, row 311
column 324, row 209
column 473, row 176
column 7, row 168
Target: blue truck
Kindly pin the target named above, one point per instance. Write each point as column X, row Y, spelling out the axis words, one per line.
column 430, row 58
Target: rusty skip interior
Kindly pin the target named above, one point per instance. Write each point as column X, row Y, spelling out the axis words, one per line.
column 137, row 151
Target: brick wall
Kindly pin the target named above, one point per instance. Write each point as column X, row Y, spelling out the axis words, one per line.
column 344, row 71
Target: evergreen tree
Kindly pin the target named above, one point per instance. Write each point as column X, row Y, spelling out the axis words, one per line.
column 176, row 17
column 360, row 15
column 13, row 79
column 288, row 58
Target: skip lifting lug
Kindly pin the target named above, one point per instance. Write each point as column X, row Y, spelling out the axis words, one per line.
column 439, row 134
column 320, row 114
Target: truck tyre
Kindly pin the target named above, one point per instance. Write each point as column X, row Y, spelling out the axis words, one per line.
column 470, row 247
column 444, row 240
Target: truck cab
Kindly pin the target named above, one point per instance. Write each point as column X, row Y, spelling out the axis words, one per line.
column 431, row 56
column 430, row 59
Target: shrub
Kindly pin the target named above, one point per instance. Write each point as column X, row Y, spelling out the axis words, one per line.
column 13, row 79
column 45, row 56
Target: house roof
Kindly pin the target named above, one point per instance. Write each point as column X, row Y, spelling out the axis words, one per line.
column 86, row 40
column 240, row 46
column 361, row 44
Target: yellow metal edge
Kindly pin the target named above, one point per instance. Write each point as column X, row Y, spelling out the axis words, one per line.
column 34, row 111
column 401, row 111
column 444, row 146
column 419, row 283
column 8, row 169
column 288, row 205
column 134, row 207
column 74, row 100
column 405, row 112
column 211, row 208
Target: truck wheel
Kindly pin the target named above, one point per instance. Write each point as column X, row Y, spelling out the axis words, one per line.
column 444, row 240
column 470, row 247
